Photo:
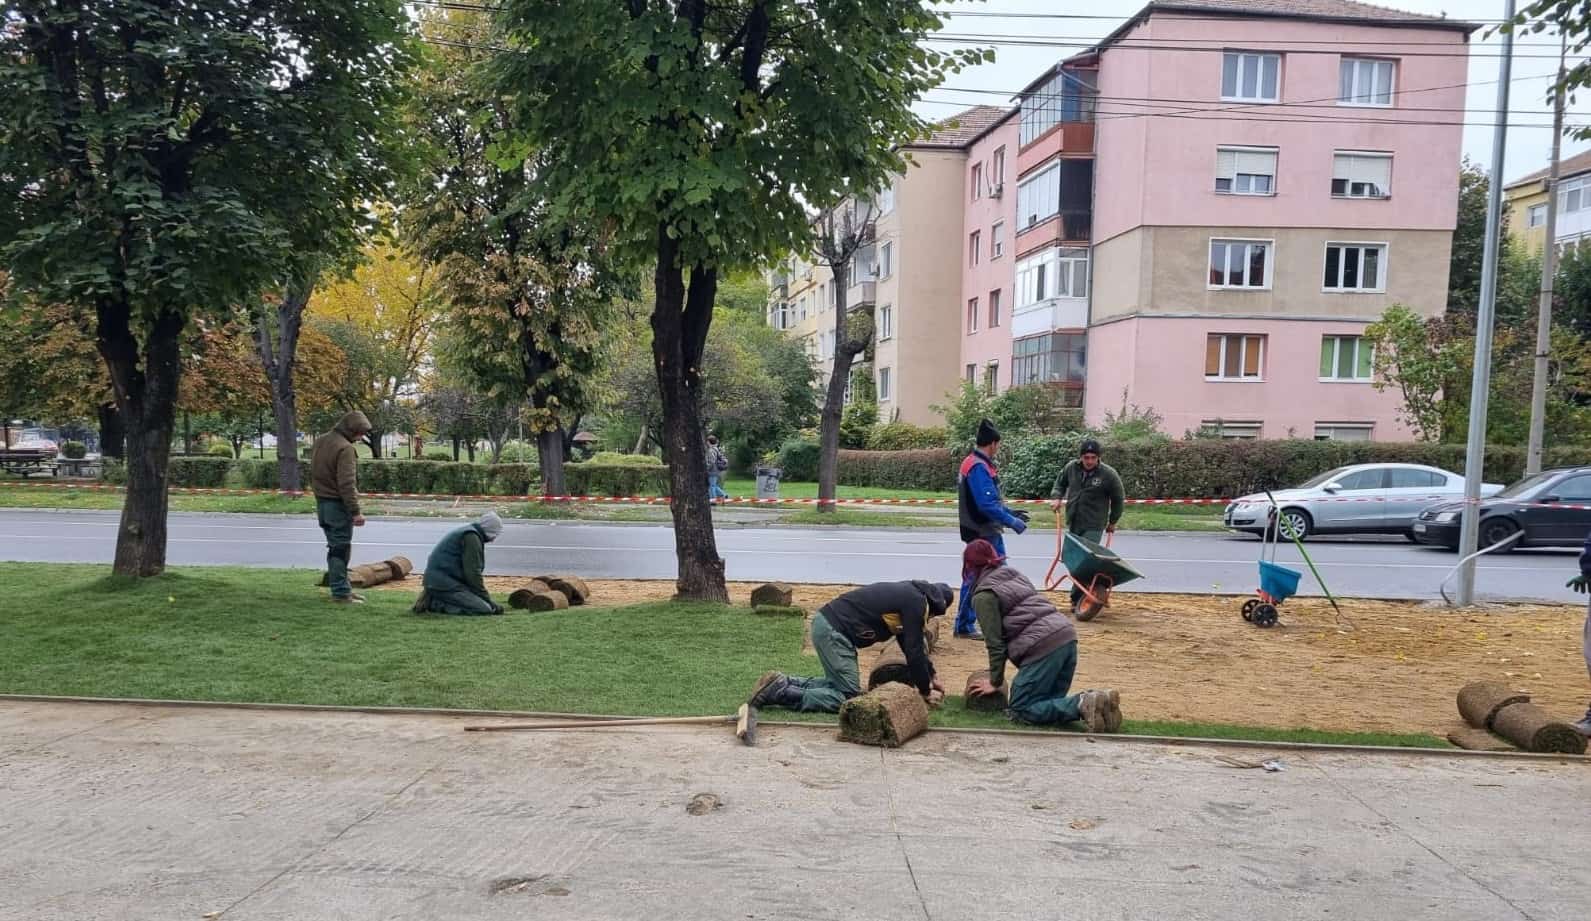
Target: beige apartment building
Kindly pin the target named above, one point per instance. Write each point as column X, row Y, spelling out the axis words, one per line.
column 908, row 278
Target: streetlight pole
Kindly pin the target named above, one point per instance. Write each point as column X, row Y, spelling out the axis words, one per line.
column 1549, row 271
column 1480, row 386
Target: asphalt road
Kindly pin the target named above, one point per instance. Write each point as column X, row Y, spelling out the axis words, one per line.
column 154, row 814
column 1171, row 562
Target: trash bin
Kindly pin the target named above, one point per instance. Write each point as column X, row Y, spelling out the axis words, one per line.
column 768, row 482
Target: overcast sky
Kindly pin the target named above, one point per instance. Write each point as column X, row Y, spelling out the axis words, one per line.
column 1530, row 118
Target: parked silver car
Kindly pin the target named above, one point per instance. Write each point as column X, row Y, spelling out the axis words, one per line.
column 1361, row 499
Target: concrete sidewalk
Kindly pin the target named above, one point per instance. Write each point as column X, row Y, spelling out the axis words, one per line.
column 128, row 813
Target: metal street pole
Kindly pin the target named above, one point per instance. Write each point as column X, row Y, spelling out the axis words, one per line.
column 1480, row 386
column 1549, row 270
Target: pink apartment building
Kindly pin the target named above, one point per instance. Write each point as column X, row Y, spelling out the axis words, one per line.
column 1240, row 247
column 989, row 227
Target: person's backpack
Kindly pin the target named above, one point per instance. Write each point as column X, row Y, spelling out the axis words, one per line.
column 720, row 462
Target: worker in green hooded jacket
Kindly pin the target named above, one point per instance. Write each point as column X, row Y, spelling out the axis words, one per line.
column 454, row 573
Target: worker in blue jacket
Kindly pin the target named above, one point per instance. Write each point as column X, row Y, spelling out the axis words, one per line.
column 984, row 515
column 1579, row 583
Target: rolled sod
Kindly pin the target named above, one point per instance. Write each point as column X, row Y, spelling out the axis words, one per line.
column 1480, row 701
column 400, row 567
column 993, row 703
column 533, row 599
column 1478, row 740
column 888, row 716
column 571, row 587
column 890, row 666
column 772, row 595
column 774, row 610
column 366, row 575
column 1534, row 730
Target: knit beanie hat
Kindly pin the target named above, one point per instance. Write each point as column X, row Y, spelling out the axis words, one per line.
column 491, row 525
column 987, row 433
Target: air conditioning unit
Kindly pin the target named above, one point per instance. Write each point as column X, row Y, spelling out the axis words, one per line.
column 997, row 190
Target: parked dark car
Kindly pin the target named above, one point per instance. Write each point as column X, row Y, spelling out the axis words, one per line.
column 1552, row 508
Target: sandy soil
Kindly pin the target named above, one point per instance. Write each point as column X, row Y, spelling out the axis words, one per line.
column 1385, row 666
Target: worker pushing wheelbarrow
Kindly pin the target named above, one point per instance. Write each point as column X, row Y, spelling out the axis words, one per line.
column 1093, row 569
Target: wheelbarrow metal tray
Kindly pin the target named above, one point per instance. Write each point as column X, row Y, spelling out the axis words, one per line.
column 1085, row 559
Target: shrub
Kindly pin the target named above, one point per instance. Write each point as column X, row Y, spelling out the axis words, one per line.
column 929, row 469
column 856, row 423
column 459, row 479
column 518, row 452
column 198, row 472
column 113, row 472
column 74, row 450
column 799, row 458
column 593, row 478
column 903, row 436
column 439, row 454
column 512, row 479
column 615, row 458
column 252, row 473
column 219, row 449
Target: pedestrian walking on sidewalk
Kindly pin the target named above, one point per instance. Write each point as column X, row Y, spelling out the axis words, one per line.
column 1089, row 494
column 334, row 478
column 984, row 515
column 855, row 620
column 717, row 463
column 455, row 572
column 1021, row 626
column 1579, row 584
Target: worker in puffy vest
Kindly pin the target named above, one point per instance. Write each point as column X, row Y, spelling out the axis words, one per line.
column 454, row 582
column 1021, row 626
column 983, row 513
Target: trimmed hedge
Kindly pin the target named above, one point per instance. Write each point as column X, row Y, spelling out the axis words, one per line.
column 597, row 479
column 1180, row 469
column 198, row 472
column 903, row 436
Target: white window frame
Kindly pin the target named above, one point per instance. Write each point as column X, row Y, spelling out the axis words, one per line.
column 1360, row 342
column 992, row 310
column 1382, row 264
column 1047, row 178
column 886, row 198
column 1361, row 155
column 972, row 315
column 976, row 180
column 1576, row 187
column 972, row 373
column 886, row 323
column 1234, row 430
column 991, row 377
column 1327, row 431
column 1234, row 179
column 1270, row 263
column 1360, row 65
column 997, row 165
column 975, row 247
column 1243, row 344
column 883, row 385
column 996, row 240
column 1034, row 286
column 1247, row 60
column 1534, row 212
column 886, row 260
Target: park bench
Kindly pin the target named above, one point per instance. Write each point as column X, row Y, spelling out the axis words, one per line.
column 24, row 462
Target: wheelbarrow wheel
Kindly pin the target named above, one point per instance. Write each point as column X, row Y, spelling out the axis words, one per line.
column 1265, row 615
column 1248, row 608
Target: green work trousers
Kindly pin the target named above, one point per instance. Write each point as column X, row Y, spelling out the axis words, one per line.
column 1039, row 692
column 459, row 601
column 841, row 680
column 338, row 526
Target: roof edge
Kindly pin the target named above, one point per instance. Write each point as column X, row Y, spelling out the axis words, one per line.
column 1175, row 10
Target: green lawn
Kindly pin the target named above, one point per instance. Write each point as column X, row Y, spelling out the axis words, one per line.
column 228, row 634
column 53, row 497
column 736, row 486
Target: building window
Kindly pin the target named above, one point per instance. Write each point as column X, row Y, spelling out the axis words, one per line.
column 1038, row 197
column 974, row 244
column 1068, row 96
column 1231, row 431
column 1355, row 267
column 883, row 385
column 991, row 377
column 886, row 323
column 1365, row 82
column 1234, row 357
column 1250, row 77
column 997, row 167
column 886, row 260
column 972, row 374
column 1053, row 358
column 972, row 315
column 997, row 240
column 1355, row 174
column 1346, row 358
column 1056, row 272
column 823, row 297
column 1245, row 170
column 994, row 308
column 886, row 199
column 1536, row 216
column 1240, row 263
column 1572, row 196
column 1350, row 431
column 977, row 181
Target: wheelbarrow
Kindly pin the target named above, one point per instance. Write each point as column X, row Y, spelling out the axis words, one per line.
column 1093, row 568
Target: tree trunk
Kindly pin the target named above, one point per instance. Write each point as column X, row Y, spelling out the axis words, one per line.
column 375, row 445
column 470, row 447
column 455, row 450
column 680, row 320
column 112, row 432
column 279, row 357
column 640, row 441
column 549, row 452
column 145, row 388
column 187, row 432
column 845, row 350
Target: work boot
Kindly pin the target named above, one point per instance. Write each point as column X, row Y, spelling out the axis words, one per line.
column 976, row 633
column 771, row 688
column 1584, row 725
column 348, row 599
column 1101, row 710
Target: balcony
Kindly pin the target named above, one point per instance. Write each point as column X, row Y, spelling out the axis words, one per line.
column 1047, row 315
column 862, row 295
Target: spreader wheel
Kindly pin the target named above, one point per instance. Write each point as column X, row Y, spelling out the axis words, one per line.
column 1265, row 615
column 1248, row 608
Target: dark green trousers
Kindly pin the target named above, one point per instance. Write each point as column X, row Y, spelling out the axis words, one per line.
column 338, row 527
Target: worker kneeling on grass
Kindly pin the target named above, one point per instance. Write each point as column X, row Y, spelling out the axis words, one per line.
column 1021, row 625
column 453, row 572
column 855, row 620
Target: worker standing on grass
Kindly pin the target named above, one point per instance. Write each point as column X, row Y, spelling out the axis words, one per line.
column 983, row 513
column 334, row 478
column 1089, row 493
column 455, row 571
column 855, row 620
column 1022, row 626
column 1579, row 584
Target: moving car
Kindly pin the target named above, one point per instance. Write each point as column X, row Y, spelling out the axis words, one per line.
column 1359, row 499
column 1552, row 508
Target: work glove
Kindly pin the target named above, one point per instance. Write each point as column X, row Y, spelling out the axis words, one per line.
column 1020, row 524
column 1578, row 583
column 1023, row 514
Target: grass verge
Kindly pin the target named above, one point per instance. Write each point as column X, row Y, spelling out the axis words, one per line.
column 227, row 634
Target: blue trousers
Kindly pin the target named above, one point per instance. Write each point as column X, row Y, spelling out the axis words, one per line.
column 966, row 617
